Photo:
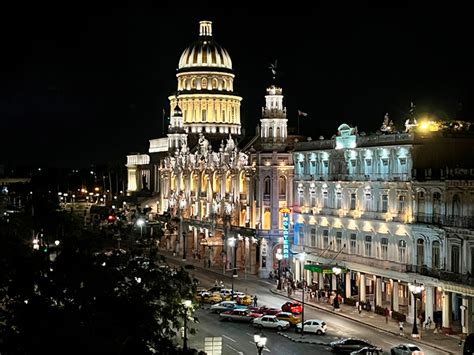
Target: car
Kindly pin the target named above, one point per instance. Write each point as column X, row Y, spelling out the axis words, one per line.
column 292, row 306
column 347, row 345
column 189, row 267
column 225, row 306
column 243, row 315
column 269, row 321
column 406, row 349
column 208, row 297
column 225, row 292
column 289, row 317
column 240, row 298
column 315, row 326
column 215, row 289
column 367, row 350
column 265, row 310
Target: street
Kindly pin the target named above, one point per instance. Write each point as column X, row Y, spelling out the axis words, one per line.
column 238, row 337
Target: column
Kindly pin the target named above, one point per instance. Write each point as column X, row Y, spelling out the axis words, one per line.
column 429, row 299
column 348, row 284
column 466, row 315
column 410, row 307
column 395, row 297
column 447, row 310
column 378, row 291
column 297, row 269
column 195, row 235
column 321, row 280
column 309, row 277
column 362, row 287
column 333, row 282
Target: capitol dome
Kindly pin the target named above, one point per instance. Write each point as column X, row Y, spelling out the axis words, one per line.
column 205, row 52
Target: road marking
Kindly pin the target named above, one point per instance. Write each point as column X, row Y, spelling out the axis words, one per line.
column 237, row 351
column 225, row 336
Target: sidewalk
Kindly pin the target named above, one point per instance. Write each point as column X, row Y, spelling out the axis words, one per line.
column 439, row 341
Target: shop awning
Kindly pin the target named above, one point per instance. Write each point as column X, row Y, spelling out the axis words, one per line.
column 324, row 269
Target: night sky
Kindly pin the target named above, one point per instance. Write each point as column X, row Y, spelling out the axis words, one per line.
column 87, row 85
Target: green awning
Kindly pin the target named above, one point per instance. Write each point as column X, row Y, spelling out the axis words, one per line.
column 323, row 269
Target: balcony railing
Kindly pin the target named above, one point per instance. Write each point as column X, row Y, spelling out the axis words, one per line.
column 451, row 221
column 441, row 274
column 300, row 176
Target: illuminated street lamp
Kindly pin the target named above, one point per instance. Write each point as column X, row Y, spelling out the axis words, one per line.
column 416, row 290
column 302, row 259
column 279, row 256
column 186, row 304
column 232, row 243
column 260, row 341
column 336, row 270
column 140, row 223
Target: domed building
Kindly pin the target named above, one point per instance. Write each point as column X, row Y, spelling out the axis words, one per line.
column 206, row 87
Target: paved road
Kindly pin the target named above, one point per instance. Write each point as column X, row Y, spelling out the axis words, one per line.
column 241, row 334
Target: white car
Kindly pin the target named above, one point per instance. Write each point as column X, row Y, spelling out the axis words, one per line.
column 406, row 349
column 225, row 306
column 315, row 326
column 225, row 292
column 270, row 322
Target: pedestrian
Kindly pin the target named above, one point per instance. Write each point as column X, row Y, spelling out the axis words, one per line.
column 428, row 323
column 216, row 283
column 400, row 326
column 359, row 307
column 387, row 313
column 255, row 301
column 209, row 263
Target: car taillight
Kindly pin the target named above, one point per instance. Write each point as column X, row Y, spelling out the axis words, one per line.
column 417, row 353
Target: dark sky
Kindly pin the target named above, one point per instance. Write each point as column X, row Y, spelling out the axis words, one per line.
column 87, row 85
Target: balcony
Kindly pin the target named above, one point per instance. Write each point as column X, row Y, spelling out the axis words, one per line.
column 441, row 274
column 450, row 221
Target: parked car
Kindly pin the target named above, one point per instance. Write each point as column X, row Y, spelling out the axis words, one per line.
column 216, row 289
column 347, row 345
column 289, row 317
column 292, row 306
column 265, row 310
column 226, row 292
column 270, row 322
column 243, row 315
column 208, row 297
column 406, row 349
column 225, row 306
column 315, row 326
column 368, row 351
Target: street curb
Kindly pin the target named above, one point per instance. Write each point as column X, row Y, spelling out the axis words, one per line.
column 367, row 324
column 301, row 340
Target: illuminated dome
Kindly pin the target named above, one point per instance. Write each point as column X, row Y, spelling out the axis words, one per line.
column 205, row 52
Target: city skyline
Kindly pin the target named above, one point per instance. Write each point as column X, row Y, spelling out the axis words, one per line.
column 85, row 88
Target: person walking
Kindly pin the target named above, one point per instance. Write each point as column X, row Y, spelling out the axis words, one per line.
column 359, row 307
column 255, row 300
column 387, row 314
column 400, row 327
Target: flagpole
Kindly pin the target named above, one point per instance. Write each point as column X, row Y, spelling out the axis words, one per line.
column 163, row 123
column 298, row 123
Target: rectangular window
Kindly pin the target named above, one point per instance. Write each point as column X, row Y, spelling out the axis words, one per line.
column 455, row 258
column 223, row 116
column 368, row 202
column 353, row 163
column 384, row 203
column 204, row 115
column 401, row 203
column 368, row 246
column 353, row 201
column 353, row 243
column 338, row 241
column 338, row 200
column 313, row 166
column 313, row 237
column 368, row 162
column 385, row 162
column 403, row 161
column 325, row 238
column 325, row 199
column 384, row 248
column 325, row 163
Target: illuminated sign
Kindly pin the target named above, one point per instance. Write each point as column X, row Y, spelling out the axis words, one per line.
column 286, row 224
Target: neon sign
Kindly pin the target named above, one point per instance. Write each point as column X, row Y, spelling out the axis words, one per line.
column 286, row 224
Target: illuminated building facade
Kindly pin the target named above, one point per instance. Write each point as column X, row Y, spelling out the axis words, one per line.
column 391, row 210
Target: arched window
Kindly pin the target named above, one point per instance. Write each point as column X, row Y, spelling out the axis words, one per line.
column 193, row 83
column 420, row 252
column 282, row 186
column 214, row 84
column 266, row 186
column 204, row 84
column 435, row 255
column 456, row 205
column 402, row 251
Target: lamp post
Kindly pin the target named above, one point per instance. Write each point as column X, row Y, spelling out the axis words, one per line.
column 416, row 290
column 279, row 256
column 260, row 341
column 140, row 223
column 181, row 207
column 336, row 270
column 186, row 304
column 232, row 242
column 302, row 259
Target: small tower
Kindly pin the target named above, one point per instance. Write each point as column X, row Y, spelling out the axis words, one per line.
column 274, row 122
column 177, row 135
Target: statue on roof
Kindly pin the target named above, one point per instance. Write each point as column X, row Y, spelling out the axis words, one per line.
column 387, row 125
column 203, row 144
column 230, row 144
column 411, row 122
column 273, row 68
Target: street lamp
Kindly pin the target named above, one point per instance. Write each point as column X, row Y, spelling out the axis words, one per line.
column 260, row 341
column 336, row 270
column 231, row 242
column 302, row 259
column 186, row 304
column 416, row 290
column 140, row 223
column 279, row 256
column 181, row 207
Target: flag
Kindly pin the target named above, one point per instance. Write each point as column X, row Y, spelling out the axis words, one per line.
column 301, row 113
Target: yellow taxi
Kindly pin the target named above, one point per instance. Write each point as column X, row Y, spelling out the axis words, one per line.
column 208, row 297
column 240, row 297
column 289, row 317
